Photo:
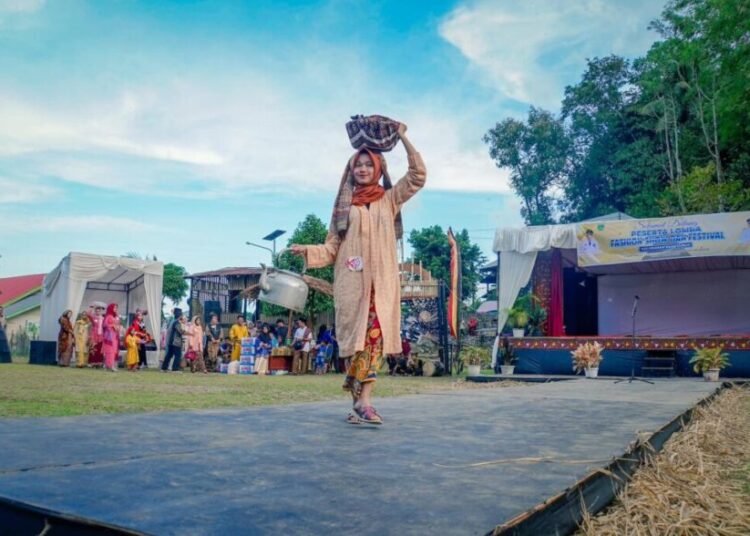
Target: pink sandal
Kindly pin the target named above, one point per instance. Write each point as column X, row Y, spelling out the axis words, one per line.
column 368, row 415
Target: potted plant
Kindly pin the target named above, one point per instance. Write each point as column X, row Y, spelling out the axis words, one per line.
column 474, row 357
column 587, row 358
column 509, row 357
column 709, row 361
column 518, row 320
column 537, row 320
column 526, row 311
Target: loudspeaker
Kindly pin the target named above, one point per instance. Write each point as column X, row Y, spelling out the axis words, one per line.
column 211, row 308
column 43, row 353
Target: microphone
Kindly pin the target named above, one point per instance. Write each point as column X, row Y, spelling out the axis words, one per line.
column 635, row 305
column 637, row 297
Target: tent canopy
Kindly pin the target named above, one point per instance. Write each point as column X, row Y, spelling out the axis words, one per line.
column 81, row 278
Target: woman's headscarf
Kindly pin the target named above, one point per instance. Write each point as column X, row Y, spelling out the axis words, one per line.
column 347, row 192
column 134, row 327
column 111, row 309
column 365, row 194
column 64, row 320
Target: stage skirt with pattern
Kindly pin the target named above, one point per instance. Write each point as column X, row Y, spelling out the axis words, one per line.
column 365, row 364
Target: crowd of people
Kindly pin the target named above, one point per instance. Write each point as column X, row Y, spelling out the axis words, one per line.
column 206, row 348
column 97, row 338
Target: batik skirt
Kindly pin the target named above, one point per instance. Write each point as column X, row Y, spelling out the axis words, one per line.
column 365, row 364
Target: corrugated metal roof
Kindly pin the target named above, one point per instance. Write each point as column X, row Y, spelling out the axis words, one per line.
column 12, row 288
column 227, row 272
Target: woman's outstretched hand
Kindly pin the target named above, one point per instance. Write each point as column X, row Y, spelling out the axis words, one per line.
column 296, row 249
column 402, row 128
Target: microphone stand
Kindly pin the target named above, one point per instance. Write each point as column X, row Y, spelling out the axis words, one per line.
column 632, row 369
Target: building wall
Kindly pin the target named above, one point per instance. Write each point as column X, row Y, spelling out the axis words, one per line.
column 20, row 322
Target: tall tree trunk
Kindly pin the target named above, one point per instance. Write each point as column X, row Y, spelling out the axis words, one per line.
column 674, row 127
column 711, row 139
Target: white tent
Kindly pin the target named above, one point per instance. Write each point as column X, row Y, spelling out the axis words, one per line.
column 82, row 278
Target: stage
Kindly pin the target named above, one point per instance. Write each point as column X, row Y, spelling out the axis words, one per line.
column 650, row 356
column 301, row 469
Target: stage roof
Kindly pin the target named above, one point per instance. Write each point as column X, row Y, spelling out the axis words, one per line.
column 623, row 244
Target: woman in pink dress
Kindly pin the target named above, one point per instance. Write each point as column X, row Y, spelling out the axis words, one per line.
column 111, row 342
column 96, row 335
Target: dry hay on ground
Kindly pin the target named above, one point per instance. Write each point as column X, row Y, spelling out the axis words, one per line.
column 463, row 384
column 695, row 485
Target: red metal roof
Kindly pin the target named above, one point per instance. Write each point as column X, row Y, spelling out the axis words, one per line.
column 14, row 287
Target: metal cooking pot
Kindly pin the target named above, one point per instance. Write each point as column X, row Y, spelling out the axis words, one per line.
column 282, row 287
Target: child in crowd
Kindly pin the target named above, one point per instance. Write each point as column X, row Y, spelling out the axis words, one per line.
column 321, row 358
column 226, row 350
column 131, row 344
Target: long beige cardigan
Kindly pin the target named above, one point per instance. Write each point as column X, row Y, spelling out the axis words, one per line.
column 370, row 235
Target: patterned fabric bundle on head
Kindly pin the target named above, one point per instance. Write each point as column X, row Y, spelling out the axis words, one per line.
column 343, row 203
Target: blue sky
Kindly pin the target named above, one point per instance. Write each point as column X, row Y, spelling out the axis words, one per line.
column 183, row 129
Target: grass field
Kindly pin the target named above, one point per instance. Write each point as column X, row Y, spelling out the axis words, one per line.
column 44, row 391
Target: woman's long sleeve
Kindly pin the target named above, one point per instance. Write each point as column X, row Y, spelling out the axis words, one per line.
column 410, row 183
column 324, row 254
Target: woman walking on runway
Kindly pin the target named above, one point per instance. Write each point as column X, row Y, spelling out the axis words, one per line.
column 361, row 244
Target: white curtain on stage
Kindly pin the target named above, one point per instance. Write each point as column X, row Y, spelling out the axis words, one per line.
column 535, row 238
column 513, row 274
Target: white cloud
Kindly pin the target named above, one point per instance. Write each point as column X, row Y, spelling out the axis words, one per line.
column 215, row 138
column 530, row 50
column 23, row 191
column 74, row 224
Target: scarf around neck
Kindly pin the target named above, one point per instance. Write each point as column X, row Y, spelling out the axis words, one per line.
column 347, row 194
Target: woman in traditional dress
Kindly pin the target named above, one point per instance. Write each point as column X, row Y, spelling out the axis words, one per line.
column 81, row 332
column 96, row 334
column 195, row 345
column 65, row 339
column 361, row 244
column 214, row 336
column 111, row 339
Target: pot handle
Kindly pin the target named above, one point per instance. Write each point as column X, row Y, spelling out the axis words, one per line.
column 304, row 259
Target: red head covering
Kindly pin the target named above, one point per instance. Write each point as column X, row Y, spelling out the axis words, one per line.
column 134, row 327
column 111, row 309
column 365, row 194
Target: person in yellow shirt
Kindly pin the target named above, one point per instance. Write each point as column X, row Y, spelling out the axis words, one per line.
column 131, row 343
column 238, row 332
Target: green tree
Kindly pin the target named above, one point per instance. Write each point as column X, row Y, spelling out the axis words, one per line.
column 536, row 153
column 174, row 285
column 665, row 134
column 613, row 155
column 312, row 231
column 430, row 247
